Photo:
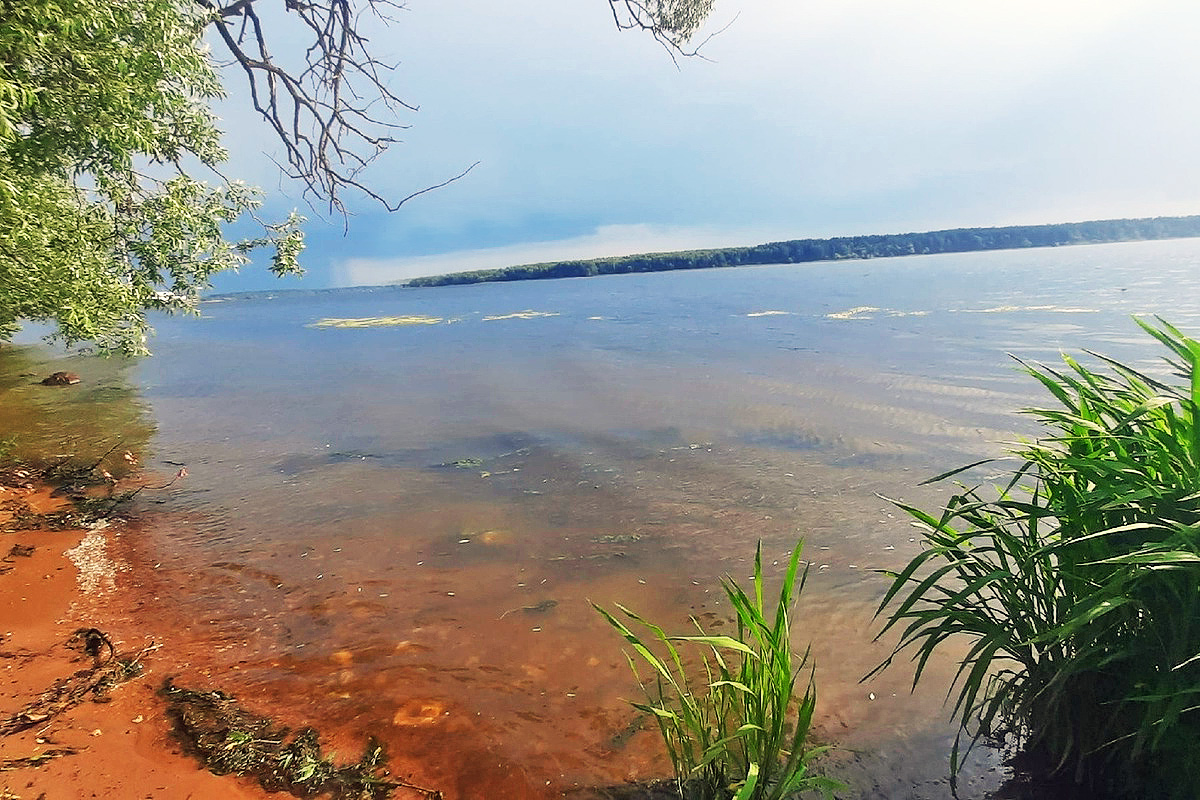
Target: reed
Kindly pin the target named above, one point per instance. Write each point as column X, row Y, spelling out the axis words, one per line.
column 1077, row 582
column 726, row 722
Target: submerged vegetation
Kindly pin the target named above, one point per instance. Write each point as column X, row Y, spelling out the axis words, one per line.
column 230, row 739
column 1078, row 582
column 959, row 240
column 725, row 722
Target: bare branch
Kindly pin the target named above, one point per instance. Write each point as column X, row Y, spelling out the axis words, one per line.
column 446, row 182
column 233, row 9
column 333, row 113
column 672, row 23
column 331, row 107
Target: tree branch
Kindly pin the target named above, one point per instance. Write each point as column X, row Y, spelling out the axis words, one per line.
column 672, row 23
column 326, row 110
column 323, row 111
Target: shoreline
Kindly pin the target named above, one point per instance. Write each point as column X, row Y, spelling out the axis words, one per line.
column 132, row 613
column 118, row 744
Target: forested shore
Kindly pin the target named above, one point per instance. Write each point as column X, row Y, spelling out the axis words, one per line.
column 797, row 251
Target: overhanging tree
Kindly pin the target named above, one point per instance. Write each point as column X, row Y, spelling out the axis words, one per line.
column 104, row 114
column 106, row 124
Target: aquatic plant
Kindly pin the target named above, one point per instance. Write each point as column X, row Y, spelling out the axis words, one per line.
column 1078, row 582
column 725, row 723
column 228, row 739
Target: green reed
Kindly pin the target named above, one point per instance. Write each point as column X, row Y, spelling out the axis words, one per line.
column 726, row 722
column 1077, row 582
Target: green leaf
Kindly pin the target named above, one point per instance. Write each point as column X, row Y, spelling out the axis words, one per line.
column 746, row 791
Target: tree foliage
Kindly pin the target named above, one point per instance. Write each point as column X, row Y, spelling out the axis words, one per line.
column 106, row 127
column 104, row 107
column 672, row 23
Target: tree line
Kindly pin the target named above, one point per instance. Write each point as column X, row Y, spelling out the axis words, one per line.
column 796, row 251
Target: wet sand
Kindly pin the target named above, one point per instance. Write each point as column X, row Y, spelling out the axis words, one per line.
column 123, row 748
column 126, row 747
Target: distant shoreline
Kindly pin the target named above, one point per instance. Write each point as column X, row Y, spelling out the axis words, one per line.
column 800, row 251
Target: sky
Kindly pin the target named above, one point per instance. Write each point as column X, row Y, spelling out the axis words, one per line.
column 806, row 118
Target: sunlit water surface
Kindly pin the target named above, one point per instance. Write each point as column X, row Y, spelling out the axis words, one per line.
column 396, row 530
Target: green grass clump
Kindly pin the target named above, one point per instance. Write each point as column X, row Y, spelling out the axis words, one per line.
column 726, row 723
column 1078, row 582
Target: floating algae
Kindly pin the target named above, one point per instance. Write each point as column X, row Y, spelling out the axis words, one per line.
column 465, row 463
column 857, row 312
column 868, row 312
column 1011, row 309
column 376, row 322
column 522, row 315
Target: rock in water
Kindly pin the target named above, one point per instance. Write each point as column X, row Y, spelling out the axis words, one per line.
column 61, row 379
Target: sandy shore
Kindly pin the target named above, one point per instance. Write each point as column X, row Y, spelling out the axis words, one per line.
column 53, row 583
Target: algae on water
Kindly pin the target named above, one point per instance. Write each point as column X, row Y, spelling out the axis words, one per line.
column 376, row 322
column 521, row 315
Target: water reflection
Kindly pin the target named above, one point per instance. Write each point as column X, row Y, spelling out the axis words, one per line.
column 90, row 423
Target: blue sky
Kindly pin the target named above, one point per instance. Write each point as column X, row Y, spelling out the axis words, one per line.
column 810, row 118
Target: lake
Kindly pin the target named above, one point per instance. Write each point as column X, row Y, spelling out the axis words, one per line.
column 396, row 529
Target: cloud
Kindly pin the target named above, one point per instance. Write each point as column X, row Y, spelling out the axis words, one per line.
column 815, row 118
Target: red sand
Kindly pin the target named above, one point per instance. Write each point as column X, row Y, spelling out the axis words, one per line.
column 125, row 747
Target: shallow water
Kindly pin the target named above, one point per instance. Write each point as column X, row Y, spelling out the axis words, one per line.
column 395, row 530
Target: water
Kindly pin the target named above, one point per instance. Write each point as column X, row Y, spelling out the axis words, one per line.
column 395, row 531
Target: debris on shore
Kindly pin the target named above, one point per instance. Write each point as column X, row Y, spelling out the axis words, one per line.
column 107, row 671
column 231, row 740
